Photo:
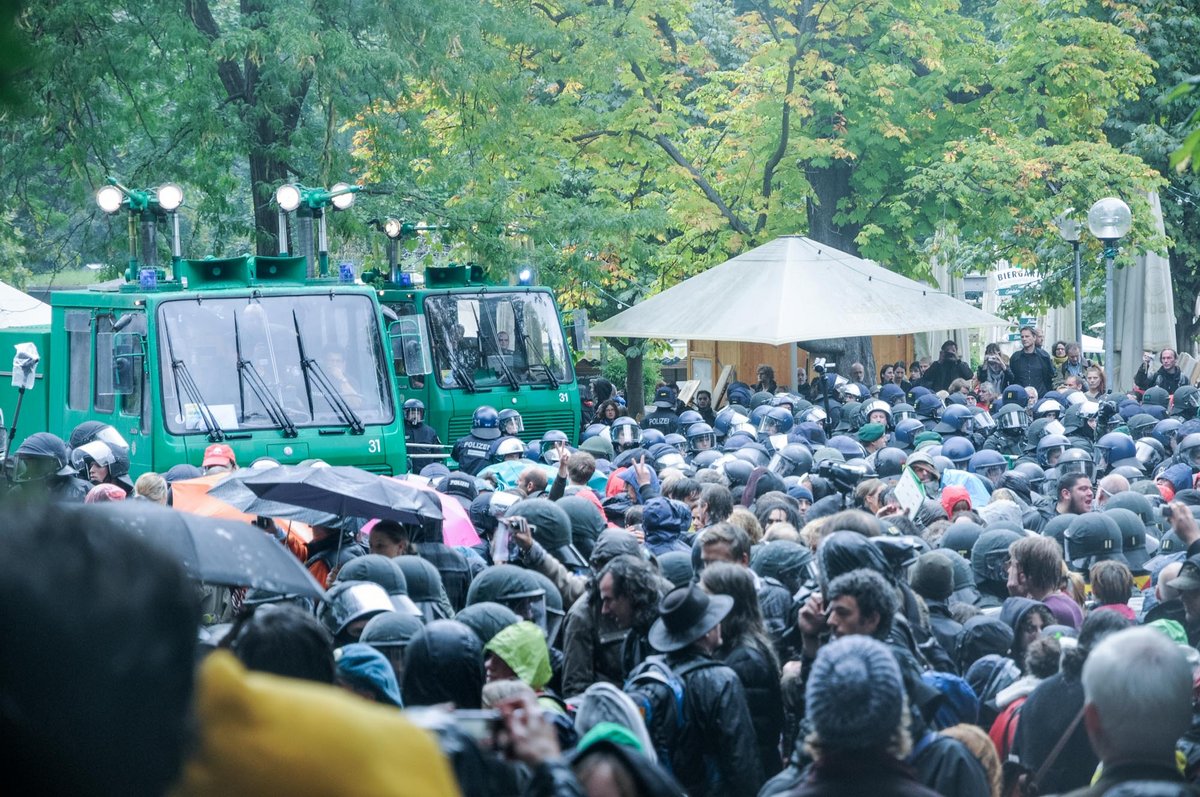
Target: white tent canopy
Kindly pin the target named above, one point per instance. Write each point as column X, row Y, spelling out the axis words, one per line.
column 18, row 309
column 791, row 290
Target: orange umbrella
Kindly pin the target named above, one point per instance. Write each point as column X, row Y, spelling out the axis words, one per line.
column 191, row 495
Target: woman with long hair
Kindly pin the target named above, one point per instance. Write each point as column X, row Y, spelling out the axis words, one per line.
column 747, row 651
column 609, row 411
column 1096, row 384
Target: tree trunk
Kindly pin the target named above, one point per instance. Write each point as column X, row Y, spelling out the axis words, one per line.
column 266, row 174
column 831, row 184
column 635, row 382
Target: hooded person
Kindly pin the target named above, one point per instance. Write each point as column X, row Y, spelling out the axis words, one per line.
column 932, row 577
column 1026, row 617
column 609, row 758
column 516, row 588
column 547, row 549
column 444, row 664
column 424, row 584
column 587, row 522
column 664, row 521
column 487, row 619
column 676, row 567
column 627, row 488
column 390, row 633
column 520, row 651
column 988, row 677
column 954, row 499
column 605, row 703
column 988, row 558
column 982, row 635
column 855, row 703
column 366, row 672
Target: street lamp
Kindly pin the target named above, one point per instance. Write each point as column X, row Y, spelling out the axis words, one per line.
column 146, row 206
column 1109, row 220
column 310, row 205
column 1068, row 230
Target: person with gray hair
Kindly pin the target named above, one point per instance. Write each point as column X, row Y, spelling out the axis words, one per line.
column 1135, row 715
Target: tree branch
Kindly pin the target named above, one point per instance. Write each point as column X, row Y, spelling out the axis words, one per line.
column 700, row 180
column 780, row 150
column 231, row 77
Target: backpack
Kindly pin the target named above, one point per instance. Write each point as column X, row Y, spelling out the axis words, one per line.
column 657, row 690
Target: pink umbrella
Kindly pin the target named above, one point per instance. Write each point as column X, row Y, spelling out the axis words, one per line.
column 457, row 528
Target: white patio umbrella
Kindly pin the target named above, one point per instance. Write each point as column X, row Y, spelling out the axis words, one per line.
column 791, row 290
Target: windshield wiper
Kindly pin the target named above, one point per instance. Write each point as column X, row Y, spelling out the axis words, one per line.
column 550, row 377
column 183, row 378
column 248, row 374
column 504, row 369
column 456, row 368
column 314, row 373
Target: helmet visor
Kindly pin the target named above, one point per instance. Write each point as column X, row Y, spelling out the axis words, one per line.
column 702, row 441
column 1146, row 455
column 512, row 425
column 902, row 415
column 1084, row 466
column 984, row 422
column 414, row 415
column 626, row 434
column 32, row 468
column 1052, row 453
column 779, row 465
column 992, row 472
column 1011, row 420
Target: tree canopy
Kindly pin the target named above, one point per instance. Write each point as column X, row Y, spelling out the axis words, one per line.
column 615, row 146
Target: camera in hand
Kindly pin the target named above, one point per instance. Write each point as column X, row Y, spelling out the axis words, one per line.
column 821, row 366
column 1108, row 409
column 844, row 476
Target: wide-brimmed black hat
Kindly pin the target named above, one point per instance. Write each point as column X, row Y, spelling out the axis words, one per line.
column 685, row 615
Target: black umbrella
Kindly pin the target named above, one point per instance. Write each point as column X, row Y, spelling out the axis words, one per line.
column 215, row 550
column 233, row 492
column 345, row 492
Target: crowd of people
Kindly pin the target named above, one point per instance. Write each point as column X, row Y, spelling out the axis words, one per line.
column 951, row 581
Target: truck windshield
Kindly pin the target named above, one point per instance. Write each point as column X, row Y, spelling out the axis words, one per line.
column 341, row 333
column 493, row 339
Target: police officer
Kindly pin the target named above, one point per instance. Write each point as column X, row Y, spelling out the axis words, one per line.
column 473, row 452
column 1010, row 429
column 41, row 469
column 424, row 445
column 663, row 418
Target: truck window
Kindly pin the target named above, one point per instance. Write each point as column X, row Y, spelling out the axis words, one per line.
column 129, row 371
column 103, row 398
column 410, row 348
column 78, row 324
column 341, row 338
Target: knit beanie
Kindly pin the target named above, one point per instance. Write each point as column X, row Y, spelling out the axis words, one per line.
column 932, row 576
column 855, row 695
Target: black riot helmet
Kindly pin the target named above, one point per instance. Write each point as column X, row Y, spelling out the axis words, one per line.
column 414, row 412
column 41, row 456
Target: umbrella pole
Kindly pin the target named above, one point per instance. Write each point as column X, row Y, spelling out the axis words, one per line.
column 795, row 380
